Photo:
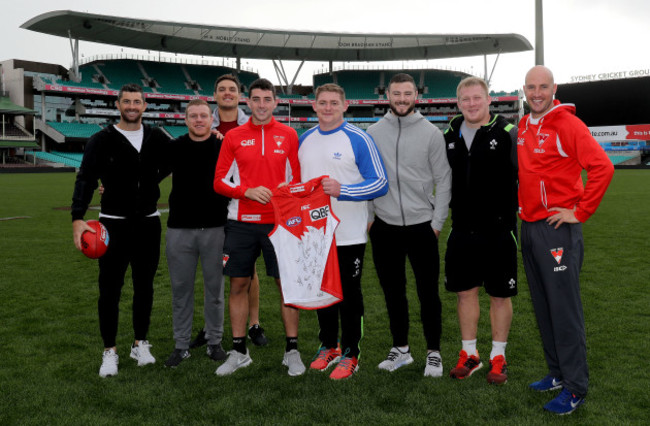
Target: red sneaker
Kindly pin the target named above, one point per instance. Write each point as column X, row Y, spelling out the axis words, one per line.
column 325, row 358
column 346, row 367
column 498, row 374
column 466, row 366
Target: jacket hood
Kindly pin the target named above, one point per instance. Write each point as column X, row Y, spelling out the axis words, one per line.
column 557, row 109
column 406, row 121
column 241, row 118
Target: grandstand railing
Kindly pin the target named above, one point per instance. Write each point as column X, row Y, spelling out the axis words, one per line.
column 161, row 58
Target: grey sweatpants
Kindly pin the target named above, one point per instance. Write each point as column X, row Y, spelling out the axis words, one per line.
column 552, row 260
column 184, row 248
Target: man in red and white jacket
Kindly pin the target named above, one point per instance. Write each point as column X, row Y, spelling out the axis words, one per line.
column 553, row 148
column 255, row 158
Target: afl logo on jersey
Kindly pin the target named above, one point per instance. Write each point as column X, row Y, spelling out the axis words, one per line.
column 294, row 221
column 319, row 213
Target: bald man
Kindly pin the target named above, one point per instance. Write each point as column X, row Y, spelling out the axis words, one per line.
column 554, row 146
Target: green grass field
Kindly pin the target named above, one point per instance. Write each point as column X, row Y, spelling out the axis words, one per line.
column 50, row 347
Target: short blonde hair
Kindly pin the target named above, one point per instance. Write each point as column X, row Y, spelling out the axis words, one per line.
column 331, row 87
column 472, row 81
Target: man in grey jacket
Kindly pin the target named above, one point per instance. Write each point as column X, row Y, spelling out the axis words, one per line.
column 408, row 220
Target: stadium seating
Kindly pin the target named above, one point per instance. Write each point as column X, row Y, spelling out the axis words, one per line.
column 87, row 73
column 205, row 76
column 54, row 158
column 75, row 130
column 416, row 74
column 441, row 84
column 320, row 79
column 358, row 84
column 618, row 159
column 121, row 72
column 175, row 131
column 75, row 156
column 368, row 84
column 169, row 77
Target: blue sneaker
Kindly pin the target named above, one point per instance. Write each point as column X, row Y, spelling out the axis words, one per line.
column 564, row 403
column 548, row 383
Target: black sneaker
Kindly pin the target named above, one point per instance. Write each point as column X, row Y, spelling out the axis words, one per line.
column 256, row 334
column 176, row 357
column 216, row 352
column 199, row 340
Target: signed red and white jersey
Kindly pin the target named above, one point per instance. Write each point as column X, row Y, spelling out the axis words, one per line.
column 303, row 239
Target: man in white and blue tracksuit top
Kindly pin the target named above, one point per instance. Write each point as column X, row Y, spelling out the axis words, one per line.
column 356, row 173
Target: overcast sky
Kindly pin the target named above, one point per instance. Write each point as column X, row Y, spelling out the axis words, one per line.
column 581, row 36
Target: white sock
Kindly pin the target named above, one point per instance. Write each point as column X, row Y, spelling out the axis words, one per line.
column 469, row 346
column 498, row 348
column 403, row 349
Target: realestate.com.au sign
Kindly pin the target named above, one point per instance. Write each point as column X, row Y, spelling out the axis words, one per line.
column 638, row 132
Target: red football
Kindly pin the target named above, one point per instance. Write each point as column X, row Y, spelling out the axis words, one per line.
column 94, row 245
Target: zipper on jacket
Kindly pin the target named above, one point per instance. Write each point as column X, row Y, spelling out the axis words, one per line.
column 399, row 188
column 468, row 170
column 263, row 140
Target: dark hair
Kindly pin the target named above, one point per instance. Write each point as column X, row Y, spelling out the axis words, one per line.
column 402, row 78
column 262, row 84
column 230, row 77
column 132, row 88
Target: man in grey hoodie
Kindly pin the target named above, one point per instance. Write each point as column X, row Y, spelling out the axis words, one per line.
column 408, row 220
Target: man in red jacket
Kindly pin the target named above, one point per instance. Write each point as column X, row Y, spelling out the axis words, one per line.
column 554, row 146
column 254, row 159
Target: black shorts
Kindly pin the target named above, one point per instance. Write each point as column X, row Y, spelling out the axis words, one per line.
column 482, row 259
column 242, row 247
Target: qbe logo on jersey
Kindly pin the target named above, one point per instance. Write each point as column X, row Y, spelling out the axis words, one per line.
column 319, row 213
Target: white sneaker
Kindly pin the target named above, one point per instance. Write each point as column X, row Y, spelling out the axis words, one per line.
column 434, row 365
column 235, row 361
column 292, row 360
column 109, row 363
column 142, row 353
column 395, row 360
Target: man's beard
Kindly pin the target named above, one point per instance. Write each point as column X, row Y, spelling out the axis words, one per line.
column 125, row 119
column 408, row 111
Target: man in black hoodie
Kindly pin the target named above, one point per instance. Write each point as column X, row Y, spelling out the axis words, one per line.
column 195, row 229
column 127, row 158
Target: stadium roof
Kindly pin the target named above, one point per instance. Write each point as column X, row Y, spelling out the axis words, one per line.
column 252, row 43
column 8, row 107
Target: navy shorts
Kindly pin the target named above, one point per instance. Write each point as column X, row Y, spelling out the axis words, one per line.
column 475, row 259
column 243, row 244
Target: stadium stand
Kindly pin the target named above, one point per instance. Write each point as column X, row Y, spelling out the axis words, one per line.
column 75, row 130
column 358, row 84
column 175, row 131
column 10, row 129
column 75, row 156
column 89, row 76
column 56, row 159
column 120, row 72
column 205, row 76
column 169, row 78
column 441, row 84
column 370, row 84
column 620, row 159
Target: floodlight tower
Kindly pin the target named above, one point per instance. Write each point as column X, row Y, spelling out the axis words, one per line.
column 539, row 33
